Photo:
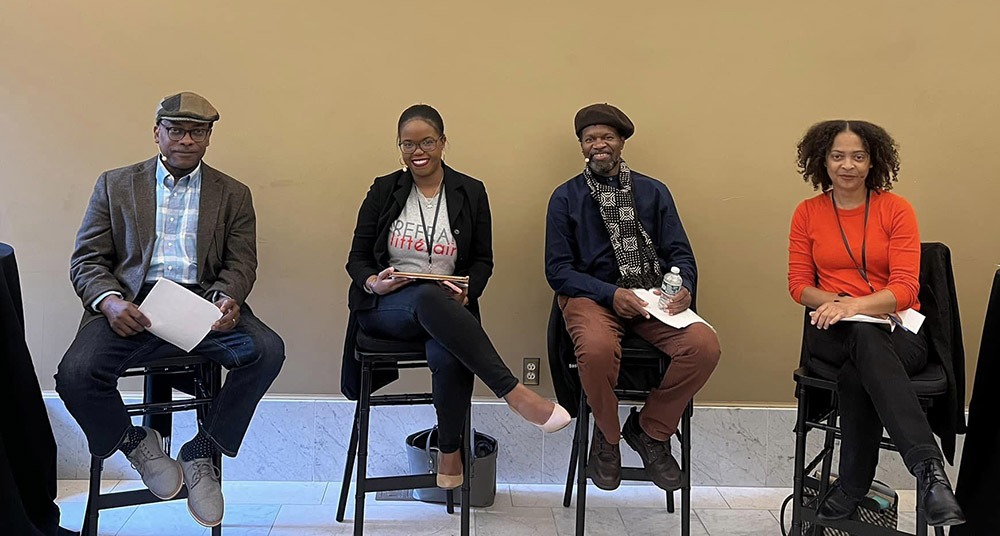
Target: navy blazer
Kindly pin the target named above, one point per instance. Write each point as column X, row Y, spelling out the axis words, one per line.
column 471, row 224
column 579, row 259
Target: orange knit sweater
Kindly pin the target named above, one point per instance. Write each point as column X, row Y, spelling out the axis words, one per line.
column 816, row 250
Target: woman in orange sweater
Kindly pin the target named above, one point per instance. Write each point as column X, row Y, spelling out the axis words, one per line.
column 855, row 249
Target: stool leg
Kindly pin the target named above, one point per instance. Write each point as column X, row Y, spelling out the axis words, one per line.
column 90, row 519
column 581, row 476
column 800, row 461
column 571, row 472
column 921, row 519
column 686, row 469
column 470, row 446
column 352, row 451
column 217, row 530
column 157, row 389
column 360, row 484
column 921, row 524
column 828, row 446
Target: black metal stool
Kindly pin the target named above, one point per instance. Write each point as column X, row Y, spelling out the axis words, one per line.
column 636, row 354
column 809, row 382
column 194, row 375
column 376, row 354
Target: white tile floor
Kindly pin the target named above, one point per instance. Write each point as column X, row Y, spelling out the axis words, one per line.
column 308, row 509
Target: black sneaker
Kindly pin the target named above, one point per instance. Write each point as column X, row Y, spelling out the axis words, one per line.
column 604, row 466
column 659, row 463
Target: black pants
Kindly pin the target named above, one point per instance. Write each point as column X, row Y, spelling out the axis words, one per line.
column 874, row 390
column 87, row 379
column 457, row 348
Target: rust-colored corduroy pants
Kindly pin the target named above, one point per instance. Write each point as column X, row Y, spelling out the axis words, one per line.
column 597, row 332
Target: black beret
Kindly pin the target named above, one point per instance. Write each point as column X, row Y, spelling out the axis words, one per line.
column 603, row 114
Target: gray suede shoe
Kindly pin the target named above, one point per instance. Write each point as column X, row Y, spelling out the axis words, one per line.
column 160, row 473
column 205, row 500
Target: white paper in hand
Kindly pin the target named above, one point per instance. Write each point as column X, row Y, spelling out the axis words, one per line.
column 867, row 319
column 178, row 315
column 680, row 320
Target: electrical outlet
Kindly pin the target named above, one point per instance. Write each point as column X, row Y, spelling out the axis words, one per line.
column 532, row 366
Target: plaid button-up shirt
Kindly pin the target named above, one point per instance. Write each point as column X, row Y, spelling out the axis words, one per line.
column 175, row 252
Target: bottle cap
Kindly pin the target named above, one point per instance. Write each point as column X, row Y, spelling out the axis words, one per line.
column 675, row 270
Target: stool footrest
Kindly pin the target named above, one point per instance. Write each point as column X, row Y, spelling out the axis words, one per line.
column 402, row 400
column 133, row 498
column 396, row 483
column 884, row 444
column 851, row 526
column 155, row 408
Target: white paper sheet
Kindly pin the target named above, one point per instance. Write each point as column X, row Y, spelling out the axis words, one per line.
column 178, row 315
column 912, row 320
column 679, row 320
column 868, row 319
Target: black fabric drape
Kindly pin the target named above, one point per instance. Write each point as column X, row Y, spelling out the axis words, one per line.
column 27, row 447
column 939, row 303
column 980, row 467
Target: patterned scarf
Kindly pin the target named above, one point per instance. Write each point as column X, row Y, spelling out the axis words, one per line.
column 634, row 251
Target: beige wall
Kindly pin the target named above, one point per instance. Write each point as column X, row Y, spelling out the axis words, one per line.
column 309, row 96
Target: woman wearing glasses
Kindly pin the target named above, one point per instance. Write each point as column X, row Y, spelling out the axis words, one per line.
column 855, row 249
column 428, row 218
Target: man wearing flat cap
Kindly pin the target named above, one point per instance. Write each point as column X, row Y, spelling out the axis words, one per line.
column 608, row 230
column 171, row 217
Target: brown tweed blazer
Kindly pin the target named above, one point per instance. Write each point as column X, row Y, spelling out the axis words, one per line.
column 115, row 242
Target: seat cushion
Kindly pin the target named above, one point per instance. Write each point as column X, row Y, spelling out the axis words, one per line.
column 367, row 344
column 927, row 383
column 179, row 360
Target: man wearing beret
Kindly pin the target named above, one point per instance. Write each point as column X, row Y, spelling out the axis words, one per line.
column 608, row 230
column 173, row 217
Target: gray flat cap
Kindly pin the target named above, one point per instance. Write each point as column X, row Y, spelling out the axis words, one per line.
column 187, row 106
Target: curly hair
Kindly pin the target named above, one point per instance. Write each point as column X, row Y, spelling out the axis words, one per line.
column 816, row 144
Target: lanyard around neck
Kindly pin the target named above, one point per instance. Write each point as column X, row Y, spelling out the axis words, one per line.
column 863, row 267
column 437, row 210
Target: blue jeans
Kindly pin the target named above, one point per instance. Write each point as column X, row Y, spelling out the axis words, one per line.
column 457, row 349
column 87, row 378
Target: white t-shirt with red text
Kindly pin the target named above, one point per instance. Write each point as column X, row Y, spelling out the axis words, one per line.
column 408, row 251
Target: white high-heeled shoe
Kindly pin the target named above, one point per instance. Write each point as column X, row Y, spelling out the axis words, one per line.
column 449, row 481
column 558, row 419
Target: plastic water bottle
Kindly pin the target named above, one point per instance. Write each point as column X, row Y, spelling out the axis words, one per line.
column 670, row 287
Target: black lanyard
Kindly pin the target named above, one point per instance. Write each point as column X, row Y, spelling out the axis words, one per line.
column 423, row 222
column 863, row 267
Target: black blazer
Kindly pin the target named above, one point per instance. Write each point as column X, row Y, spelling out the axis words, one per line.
column 471, row 224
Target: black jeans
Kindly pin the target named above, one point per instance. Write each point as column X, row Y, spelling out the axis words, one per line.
column 457, row 348
column 87, row 378
column 874, row 389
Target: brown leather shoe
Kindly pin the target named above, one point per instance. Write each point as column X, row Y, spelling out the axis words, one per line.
column 604, row 466
column 656, row 457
